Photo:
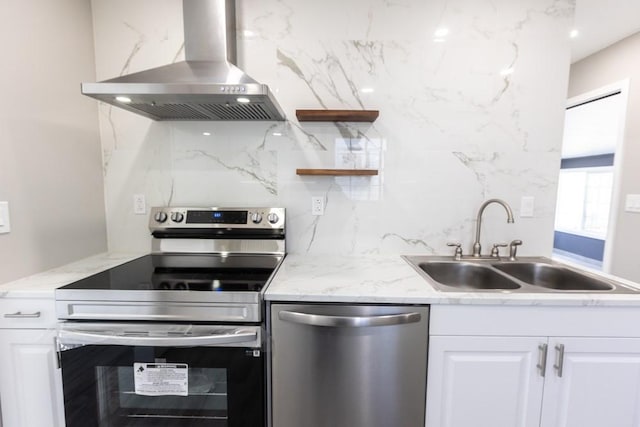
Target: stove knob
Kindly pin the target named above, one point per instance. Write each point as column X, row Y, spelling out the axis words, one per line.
column 256, row 218
column 160, row 216
column 177, row 216
column 273, row 218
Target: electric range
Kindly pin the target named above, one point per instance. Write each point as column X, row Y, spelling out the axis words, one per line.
column 206, row 264
column 175, row 337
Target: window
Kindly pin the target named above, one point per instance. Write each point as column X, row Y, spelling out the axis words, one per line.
column 584, row 200
column 585, row 186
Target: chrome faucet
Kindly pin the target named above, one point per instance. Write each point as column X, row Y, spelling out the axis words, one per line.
column 476, row 245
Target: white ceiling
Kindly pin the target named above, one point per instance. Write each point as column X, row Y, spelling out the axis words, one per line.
column 601, row 23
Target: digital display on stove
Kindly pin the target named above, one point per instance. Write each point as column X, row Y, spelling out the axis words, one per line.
column 217, row 217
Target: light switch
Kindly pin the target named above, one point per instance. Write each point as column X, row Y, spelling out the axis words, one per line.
column 526, row 206
column 632, row 203
column 5, row 225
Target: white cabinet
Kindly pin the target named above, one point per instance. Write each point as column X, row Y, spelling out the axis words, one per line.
column 30, row 379
column 497, row 382
column 31, row 383
column 483, row 381
column 600, row 383
column 488, row 380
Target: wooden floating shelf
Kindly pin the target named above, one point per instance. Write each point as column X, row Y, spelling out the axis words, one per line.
column 337, row 172
column 337, row 115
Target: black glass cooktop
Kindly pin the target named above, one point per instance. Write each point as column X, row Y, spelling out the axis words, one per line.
column 166, row 273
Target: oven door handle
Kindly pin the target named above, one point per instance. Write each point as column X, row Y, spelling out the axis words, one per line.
column 71, row 339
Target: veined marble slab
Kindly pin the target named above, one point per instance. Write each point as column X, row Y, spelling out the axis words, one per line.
column 331, row 278
column 390, row 279
column 471, row 97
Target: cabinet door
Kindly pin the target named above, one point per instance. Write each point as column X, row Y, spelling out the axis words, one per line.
column 484, row 381
column 600, row 383
column 31, row 386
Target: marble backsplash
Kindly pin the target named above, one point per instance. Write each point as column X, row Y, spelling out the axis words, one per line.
column 467, row 114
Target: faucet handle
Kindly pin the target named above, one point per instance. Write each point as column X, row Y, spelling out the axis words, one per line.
column 495, row 250
column 458, row 252
column 513, row 248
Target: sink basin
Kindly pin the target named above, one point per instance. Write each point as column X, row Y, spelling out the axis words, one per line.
column 527, row 275
column 553, row 277
column 467, row 276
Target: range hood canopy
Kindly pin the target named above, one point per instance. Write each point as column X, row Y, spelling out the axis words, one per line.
column 206, row 86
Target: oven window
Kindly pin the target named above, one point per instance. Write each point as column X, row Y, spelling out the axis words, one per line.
column 206, row 398
column 225, row 387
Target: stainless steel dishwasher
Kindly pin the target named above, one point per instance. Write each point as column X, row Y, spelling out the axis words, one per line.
column 348, row 365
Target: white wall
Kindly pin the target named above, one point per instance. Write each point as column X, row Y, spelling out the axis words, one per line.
column 616, row 63
column 476, row 116
column 50, row 160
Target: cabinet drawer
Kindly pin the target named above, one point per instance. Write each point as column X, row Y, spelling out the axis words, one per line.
column 505, row 320
column 27, row 313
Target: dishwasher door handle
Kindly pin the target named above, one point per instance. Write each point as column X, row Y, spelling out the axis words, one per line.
column 348, row 321
column 74, row 338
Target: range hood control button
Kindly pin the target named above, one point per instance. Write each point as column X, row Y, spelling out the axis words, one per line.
column 177, row 217
column 256, row 218
column 160, row 216
column 273, row 218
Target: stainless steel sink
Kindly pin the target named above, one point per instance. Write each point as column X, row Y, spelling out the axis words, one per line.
column 553, row 277
column 467, row 276
column 527, row 275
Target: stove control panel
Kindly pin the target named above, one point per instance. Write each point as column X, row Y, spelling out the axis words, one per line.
column 163, row 218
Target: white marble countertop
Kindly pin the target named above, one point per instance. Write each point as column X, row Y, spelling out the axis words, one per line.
column 390, row 279
column 348, row 279
column 43, row 285
column 331, row 278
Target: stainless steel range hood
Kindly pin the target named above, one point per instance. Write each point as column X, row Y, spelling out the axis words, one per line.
column 206, row 86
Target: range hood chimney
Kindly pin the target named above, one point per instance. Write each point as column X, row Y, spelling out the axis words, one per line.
column 206, row 86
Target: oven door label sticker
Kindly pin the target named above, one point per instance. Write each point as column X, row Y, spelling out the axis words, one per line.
column 161, row 379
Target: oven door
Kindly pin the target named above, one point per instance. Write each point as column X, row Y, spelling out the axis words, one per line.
column 161, row 375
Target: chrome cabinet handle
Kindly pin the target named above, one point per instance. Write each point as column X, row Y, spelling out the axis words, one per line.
column 348, row 321
column 559, row 359
column 66, row 337
column 20, row 315
column 542, row 359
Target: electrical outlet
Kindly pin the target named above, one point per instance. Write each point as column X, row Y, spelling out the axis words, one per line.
column 139, row 204
column 317, row 205
column 526, row 206
column 5, row 225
